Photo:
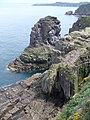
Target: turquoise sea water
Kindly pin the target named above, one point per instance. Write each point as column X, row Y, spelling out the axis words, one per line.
column 16, row 21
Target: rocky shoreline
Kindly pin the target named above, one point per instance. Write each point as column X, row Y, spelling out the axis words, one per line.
column 66, row 62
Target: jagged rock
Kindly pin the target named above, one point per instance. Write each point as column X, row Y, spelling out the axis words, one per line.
column 46, row 30
column 69, row 13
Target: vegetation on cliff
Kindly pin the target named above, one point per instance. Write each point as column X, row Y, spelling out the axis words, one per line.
column 83, row 10
column 67, row 64
column 80, row 24
column 78, row 108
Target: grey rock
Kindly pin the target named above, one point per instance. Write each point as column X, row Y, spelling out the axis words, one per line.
column 69, row 13
column 46, row 30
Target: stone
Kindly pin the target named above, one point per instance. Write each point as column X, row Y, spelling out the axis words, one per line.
column 46, row 31
column 69, row 13
column 36, row 58
column 65, row 65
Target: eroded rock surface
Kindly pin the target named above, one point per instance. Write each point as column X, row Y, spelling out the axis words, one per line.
column 46, row 30
column 24, row 101
column 80, row 24
column 40, row 54
column 36, row 58
column 67, row 63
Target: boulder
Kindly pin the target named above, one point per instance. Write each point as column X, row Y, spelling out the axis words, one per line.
column 69, row 13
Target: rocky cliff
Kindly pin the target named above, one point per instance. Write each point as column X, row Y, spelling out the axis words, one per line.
column 67, row 67
column 46, row 30
column 83, row 10
column 80, row 24
column 40, row 54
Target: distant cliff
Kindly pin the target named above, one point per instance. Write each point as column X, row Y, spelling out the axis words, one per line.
column 65, row 4
column 83, row 10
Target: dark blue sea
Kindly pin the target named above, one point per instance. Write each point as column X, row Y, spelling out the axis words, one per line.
column 16, row 21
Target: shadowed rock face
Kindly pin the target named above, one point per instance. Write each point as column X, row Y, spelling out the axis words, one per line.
column 25, row 101
column 46, row 30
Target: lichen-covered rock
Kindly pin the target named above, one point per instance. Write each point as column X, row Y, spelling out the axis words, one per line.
column 40, row 54
column 36, row 58
column 80, row 24
column 46, row 30
column 66, row 76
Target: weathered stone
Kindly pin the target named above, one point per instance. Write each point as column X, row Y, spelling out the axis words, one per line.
column 36, row 58
column 80, row 24
column 67, row 63
column 46, row 30
column 14, row 110
column 69, row 13
column 64, row 78
column 7, row 116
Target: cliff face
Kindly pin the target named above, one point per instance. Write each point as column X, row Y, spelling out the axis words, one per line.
column 83, row 10
column 67, row 65
column 40, row 54
column 80, row 24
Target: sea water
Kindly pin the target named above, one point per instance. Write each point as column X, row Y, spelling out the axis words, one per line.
column 16, row 21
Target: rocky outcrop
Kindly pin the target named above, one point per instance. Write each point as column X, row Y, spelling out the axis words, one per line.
column 67, row 65
column 78, row 107
column 69, row 13
column 64, row 78
column 83, row 10
column 36, row 58
column 40, row 54
column 80, row 24
column 23, row 101
column 46, row 30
